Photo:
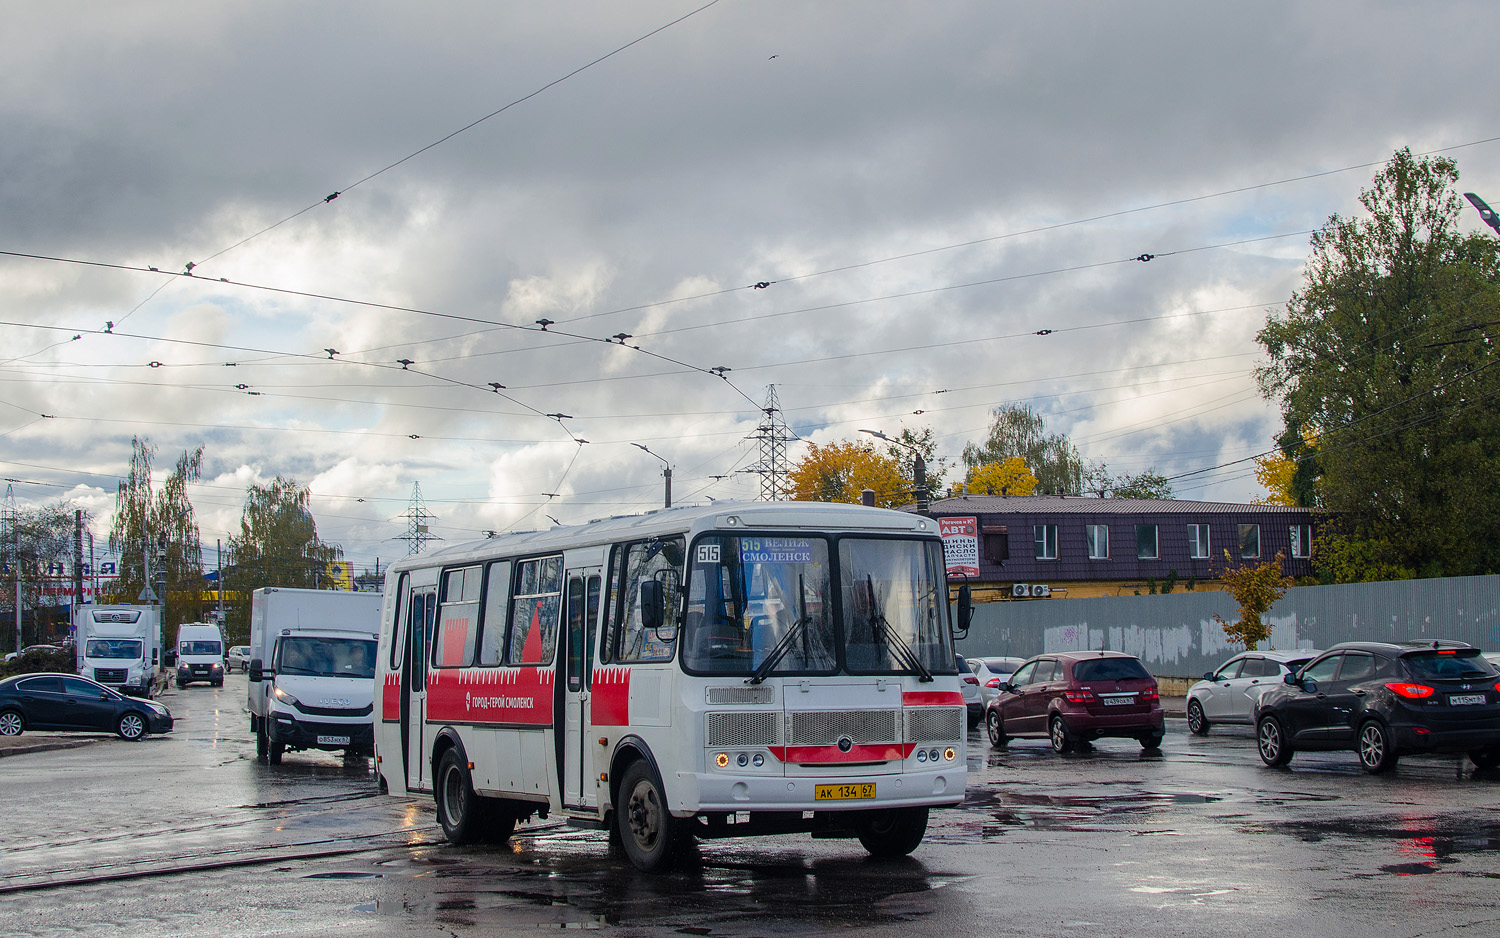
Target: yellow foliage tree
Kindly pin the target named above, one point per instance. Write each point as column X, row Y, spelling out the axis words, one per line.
column 1256, row 587
column 838, row 472
column 1010, row 477
column 1274, row 472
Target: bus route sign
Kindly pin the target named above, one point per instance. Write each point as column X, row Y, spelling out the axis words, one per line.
column 775, row 550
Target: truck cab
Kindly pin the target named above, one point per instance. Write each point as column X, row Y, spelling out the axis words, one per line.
column 312, row 671
column 120, row 647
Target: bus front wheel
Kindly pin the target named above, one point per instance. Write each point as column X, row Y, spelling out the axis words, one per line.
column 893, row 832
column 647, row 829
column 458, row 807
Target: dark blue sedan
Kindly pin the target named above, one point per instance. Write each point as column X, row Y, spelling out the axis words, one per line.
column 71, row 702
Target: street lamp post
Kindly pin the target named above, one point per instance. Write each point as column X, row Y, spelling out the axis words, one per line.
column 918, row 468
column 666, row 472
column 1485, row 212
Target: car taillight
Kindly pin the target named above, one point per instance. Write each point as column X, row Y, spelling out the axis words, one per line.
column 994, row 683
column 1148, row 695
column 1079, row 696
column 971, row 679
column 1410, row 691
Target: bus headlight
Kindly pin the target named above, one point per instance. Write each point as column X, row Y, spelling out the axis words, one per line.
column 949, row 753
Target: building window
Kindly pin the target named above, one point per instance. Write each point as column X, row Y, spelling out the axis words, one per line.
column 1249, row 541
column 1046, row 541
column 1098, row 536
column 1198, row 541
column 1145, row 542
column 1302, row 540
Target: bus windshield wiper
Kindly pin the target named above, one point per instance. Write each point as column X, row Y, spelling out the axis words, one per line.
column 788, row 640
column 894, row 641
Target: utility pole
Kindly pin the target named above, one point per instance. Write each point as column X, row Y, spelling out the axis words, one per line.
column 77, row 561
column 219, row 554
column 666, row 472
column 918, row 468
column 418, row 522
column 12, row 518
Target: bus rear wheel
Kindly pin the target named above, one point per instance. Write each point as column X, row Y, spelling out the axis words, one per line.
column 893, row 832
column 459, row 809
column 648, row 832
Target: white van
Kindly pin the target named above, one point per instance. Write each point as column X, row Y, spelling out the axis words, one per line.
column 200, row 654
column 312, row 671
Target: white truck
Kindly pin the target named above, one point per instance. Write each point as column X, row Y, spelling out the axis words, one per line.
column 119, row 646
column 200, row 654
column 312, row 671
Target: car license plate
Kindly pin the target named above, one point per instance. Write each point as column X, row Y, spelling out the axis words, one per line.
column 1459, row 700
column 862, row 791
column 1118, row 701
column 333, row 740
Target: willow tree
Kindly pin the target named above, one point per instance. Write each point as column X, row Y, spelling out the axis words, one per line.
column 156, row 527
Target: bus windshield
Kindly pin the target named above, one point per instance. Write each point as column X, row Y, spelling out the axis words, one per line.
column 112, row 648
column 327, row 657
column 766, row 605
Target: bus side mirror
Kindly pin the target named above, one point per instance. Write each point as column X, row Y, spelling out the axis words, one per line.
column 654, row 610
column 965, row 611
column 257, row 672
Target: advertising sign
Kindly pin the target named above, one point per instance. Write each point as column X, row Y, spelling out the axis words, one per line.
column 960, row 545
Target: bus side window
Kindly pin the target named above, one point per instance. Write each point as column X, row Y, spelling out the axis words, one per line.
column 492, row 624
column 589, row 625
column 535, row 609
column 459, row 621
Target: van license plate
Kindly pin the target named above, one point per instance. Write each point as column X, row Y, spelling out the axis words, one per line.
column 1459, row 700
column 862, row 791
column 333, row 740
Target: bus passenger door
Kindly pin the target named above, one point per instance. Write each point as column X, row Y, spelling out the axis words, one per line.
column 414, row 686
column 575, row 755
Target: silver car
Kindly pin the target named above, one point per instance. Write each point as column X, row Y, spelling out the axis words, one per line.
column 1230, row 694
column 992, row 672
column 239, row 657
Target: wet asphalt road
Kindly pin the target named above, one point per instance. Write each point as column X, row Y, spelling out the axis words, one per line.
column 187, row 835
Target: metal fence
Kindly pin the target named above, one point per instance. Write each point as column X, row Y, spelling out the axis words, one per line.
column 1177, row 636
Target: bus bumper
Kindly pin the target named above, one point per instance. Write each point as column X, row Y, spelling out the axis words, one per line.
column 723, row 792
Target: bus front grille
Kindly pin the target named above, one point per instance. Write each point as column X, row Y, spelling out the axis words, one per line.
column 825, row 727
column 757, row 728
column 729, row 696
column 934, row 724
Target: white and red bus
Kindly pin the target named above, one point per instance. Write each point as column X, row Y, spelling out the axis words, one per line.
column 715, row 671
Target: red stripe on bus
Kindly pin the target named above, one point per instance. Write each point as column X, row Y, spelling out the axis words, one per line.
column 932, row 698
column 831, row 755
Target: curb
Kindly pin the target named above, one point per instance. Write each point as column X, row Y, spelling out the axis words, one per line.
column 46, row 746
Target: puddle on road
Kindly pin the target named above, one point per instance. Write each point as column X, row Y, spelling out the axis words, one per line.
column 1422, row 843
column 344, row 875
column 571, row 879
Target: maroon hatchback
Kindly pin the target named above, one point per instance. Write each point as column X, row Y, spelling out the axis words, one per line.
column 1072, row 698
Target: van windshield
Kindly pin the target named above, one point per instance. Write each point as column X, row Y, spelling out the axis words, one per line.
column 326, row 657
column 112, row 648
column 199, row 648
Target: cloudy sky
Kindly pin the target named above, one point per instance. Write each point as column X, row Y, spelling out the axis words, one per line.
column 924, row 187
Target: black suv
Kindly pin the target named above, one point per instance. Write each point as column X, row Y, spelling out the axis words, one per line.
column 1385, row 700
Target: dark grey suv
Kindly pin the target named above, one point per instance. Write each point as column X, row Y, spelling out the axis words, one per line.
column 1385, row 700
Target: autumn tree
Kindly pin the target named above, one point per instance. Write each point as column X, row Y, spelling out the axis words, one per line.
column 1010, row 477
column 1255, row 587
column 159, row 521
column 839, row 472
column 1382, row 364
column 1018, row 431
column 1274, row 472
column 924, row 442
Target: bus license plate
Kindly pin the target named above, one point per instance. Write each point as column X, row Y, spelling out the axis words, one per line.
column 333, row 740
column 1459, row 700
column 863, row 791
